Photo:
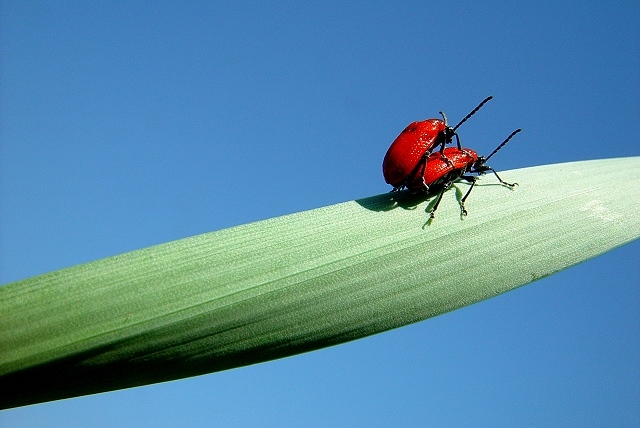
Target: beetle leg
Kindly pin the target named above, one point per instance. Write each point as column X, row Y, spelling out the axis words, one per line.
column 471, row 179
column 423, row 161
column 435, row 207
column 458, row 141
column 511, row 185
column 444, row 136
column 445, row 140
column 425, row 186
column 418, row 171
column 446, row 159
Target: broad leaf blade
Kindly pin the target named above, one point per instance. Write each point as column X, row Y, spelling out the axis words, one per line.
column 304, row 281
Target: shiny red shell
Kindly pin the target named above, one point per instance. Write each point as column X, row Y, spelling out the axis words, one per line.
column 439, row 169
column 407, row 151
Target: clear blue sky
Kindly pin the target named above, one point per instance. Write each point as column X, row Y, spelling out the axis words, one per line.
column 129, row 124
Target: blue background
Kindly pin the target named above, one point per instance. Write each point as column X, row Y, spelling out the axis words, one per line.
column 129, row 124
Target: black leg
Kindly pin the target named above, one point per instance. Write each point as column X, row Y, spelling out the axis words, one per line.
column 418, row 171
column 435, row 207
column 472, row 180
column 423, row 168
column 443, row 145
column 501, row 180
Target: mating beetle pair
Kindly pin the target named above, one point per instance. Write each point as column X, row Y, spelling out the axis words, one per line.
column 412, row 163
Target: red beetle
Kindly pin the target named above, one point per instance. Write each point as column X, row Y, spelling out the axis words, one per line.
column 405, row 161
column 442, row 173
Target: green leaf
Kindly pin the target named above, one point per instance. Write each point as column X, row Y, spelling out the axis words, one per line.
column 304, row 281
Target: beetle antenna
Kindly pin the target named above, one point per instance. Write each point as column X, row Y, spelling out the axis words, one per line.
column 444, row 117
column 503, row 143
column 472, row 112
